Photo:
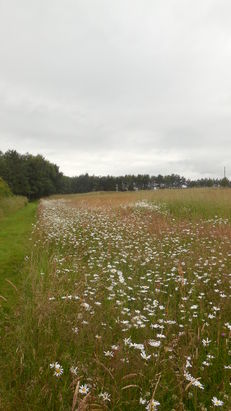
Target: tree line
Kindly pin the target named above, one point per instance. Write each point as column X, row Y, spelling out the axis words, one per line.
column 36, row 177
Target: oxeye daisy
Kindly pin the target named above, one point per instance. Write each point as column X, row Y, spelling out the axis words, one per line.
column 216, row 402
column 108, row 353
column 58, row 369
column 105, row 396
column 154, row 343
column 145, row 356
column 206, row 342
column 84, row 389
column 152, row 405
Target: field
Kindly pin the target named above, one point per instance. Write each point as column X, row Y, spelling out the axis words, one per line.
column 124, row 304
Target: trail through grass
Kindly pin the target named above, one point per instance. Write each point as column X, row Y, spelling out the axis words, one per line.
column 15, row 230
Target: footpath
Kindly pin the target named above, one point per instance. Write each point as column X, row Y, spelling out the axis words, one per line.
column 15, row 230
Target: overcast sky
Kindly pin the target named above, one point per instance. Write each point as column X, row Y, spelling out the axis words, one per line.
column 118, row 86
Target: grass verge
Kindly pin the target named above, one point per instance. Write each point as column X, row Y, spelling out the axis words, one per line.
column 15, row 231
column 14, row 235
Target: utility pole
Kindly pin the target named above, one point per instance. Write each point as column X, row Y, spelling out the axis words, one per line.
column 224, row 172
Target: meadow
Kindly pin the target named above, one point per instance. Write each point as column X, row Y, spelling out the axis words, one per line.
column 124, row 304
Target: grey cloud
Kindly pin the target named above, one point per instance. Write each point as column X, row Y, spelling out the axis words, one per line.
column 118, row 87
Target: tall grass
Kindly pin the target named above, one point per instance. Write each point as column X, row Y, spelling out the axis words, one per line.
column 189, row 203
column 4, row 189
column 9, row 205
column 195, row 203
column 131, row 298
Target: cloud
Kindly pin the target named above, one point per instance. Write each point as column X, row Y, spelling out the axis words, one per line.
column 118, row 87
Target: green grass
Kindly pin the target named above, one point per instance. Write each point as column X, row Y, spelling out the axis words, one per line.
column 195, row 203
column 15, row 230
column 9, row 205
column 4, row 189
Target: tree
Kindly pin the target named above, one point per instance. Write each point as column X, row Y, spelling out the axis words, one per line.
column 225, row 182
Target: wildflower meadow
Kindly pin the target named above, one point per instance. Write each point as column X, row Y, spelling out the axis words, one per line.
column 125, row 305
